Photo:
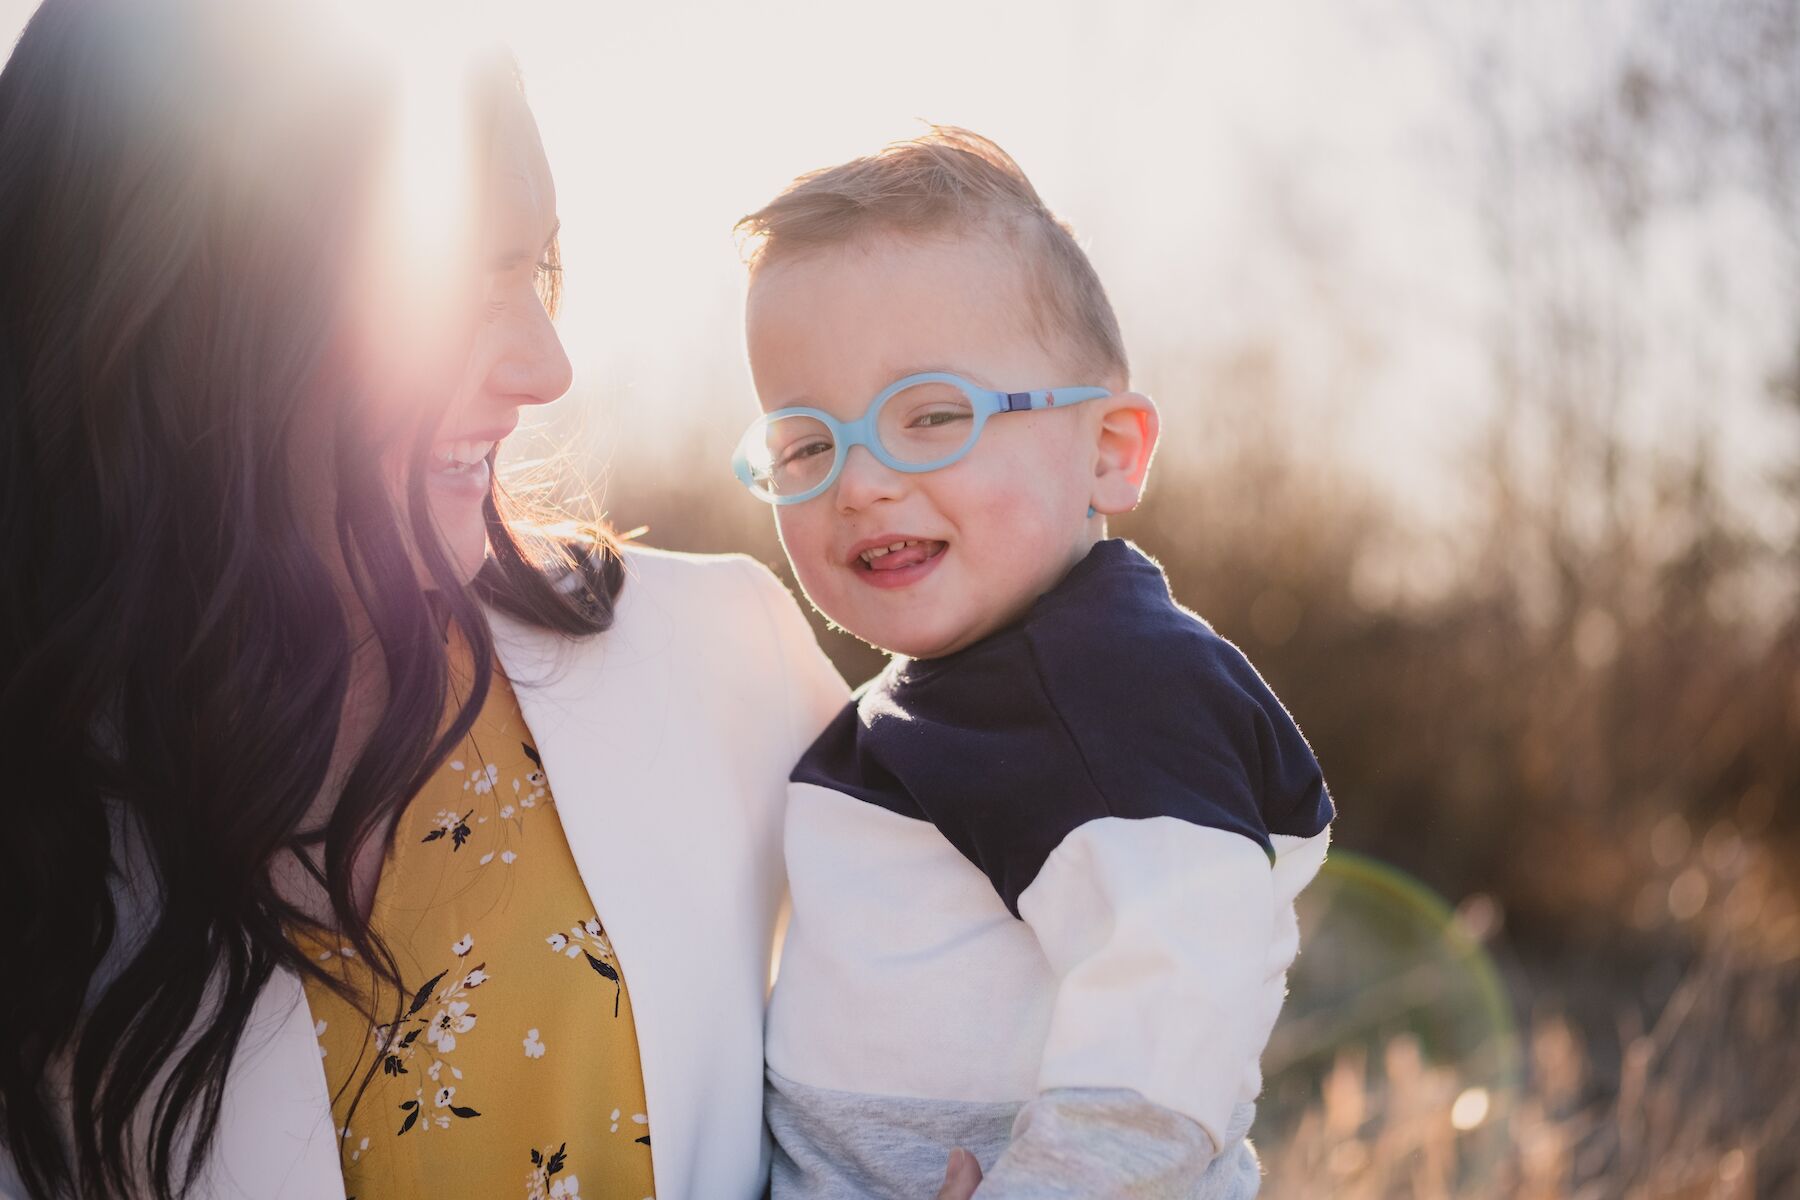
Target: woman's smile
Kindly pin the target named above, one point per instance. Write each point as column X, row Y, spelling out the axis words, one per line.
column 462, row 468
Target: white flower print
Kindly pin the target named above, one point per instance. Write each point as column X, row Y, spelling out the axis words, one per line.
column 565, row 1188
column 615, row 1120
column 443, row 1098
column 475, row 978
column 483, row 779
column 588, row 938
column 508, row 811
column 508, row 857
column 463, row 945
column 487, row 858
column 533, row 1047
column 452, row 1019
column 319, row 1032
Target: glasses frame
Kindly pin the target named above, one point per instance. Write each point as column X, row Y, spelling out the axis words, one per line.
column 864, row 431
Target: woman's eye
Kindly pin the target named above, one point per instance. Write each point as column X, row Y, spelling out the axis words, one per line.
column 546, row 278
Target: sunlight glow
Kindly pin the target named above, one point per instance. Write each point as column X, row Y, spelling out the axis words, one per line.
column 425, row 199
column 414, row 287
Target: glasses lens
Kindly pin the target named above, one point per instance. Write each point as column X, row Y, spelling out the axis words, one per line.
column 926, row 422
column 790, row 455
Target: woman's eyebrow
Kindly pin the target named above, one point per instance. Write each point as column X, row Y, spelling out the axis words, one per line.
column 507, row 260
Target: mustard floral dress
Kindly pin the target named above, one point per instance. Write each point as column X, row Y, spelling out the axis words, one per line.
column 514, row 1070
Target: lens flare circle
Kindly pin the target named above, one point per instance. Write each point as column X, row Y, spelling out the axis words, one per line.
column 1394, row 1008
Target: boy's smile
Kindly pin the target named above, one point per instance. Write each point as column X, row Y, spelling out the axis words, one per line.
column 924, row 564
column 896, row 563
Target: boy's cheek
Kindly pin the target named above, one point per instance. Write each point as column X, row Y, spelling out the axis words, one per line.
column 805, row 544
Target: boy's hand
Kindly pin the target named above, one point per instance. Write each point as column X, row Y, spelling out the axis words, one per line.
column 961, row 1177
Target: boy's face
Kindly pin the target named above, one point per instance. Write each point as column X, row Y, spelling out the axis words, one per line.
column 831, row 328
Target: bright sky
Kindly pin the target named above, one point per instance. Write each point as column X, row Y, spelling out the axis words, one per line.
column 1295, row 173
column 1182, row 140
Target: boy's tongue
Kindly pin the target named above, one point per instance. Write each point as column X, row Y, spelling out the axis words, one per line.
column 909, row 556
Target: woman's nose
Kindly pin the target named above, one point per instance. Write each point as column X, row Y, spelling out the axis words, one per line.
column 865, row 480
column 534, row 368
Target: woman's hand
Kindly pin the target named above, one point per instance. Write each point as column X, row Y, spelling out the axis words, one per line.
column 961, row 1177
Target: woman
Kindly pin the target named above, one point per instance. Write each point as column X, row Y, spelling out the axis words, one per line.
column 260, row 603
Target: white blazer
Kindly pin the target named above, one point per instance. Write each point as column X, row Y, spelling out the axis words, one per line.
column 668, row 740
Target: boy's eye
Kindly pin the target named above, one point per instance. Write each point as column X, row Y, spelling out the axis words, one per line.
column 939, row 416
column 802, row 450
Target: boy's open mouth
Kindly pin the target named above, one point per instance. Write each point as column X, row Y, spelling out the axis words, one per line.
column 897, row 555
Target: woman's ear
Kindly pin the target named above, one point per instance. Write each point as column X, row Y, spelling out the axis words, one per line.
column 1125, row 439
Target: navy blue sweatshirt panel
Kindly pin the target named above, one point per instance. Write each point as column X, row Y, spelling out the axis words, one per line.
column 1107, row 699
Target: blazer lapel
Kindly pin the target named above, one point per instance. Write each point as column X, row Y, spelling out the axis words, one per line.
column 597, row 711
column 276, row 1139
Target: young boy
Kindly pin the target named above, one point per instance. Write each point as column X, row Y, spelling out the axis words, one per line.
column 1043, row 866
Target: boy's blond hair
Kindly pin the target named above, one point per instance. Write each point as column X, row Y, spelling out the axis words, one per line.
column 950, row 179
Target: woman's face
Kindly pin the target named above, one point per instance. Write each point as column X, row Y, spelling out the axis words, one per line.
column 456, row 308
column 515, row 358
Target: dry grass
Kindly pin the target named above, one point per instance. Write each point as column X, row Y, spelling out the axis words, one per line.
column 1699, row 1098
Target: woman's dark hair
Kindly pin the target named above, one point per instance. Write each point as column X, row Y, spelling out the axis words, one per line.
column 178, row 184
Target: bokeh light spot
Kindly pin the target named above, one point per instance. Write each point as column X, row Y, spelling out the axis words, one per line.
column 1470, row 1109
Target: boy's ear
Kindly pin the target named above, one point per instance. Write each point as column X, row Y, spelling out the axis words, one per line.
column 1126, row 438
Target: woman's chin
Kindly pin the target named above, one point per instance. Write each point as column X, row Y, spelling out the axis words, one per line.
column 457, row 499
column 464, row 544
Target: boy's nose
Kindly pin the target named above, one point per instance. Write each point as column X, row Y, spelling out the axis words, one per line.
column 865, row 481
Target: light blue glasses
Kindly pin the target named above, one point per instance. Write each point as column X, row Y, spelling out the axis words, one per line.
column 921, row 423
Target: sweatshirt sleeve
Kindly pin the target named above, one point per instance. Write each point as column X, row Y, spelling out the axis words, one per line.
column 1076, row 1143
column 1170, row 944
